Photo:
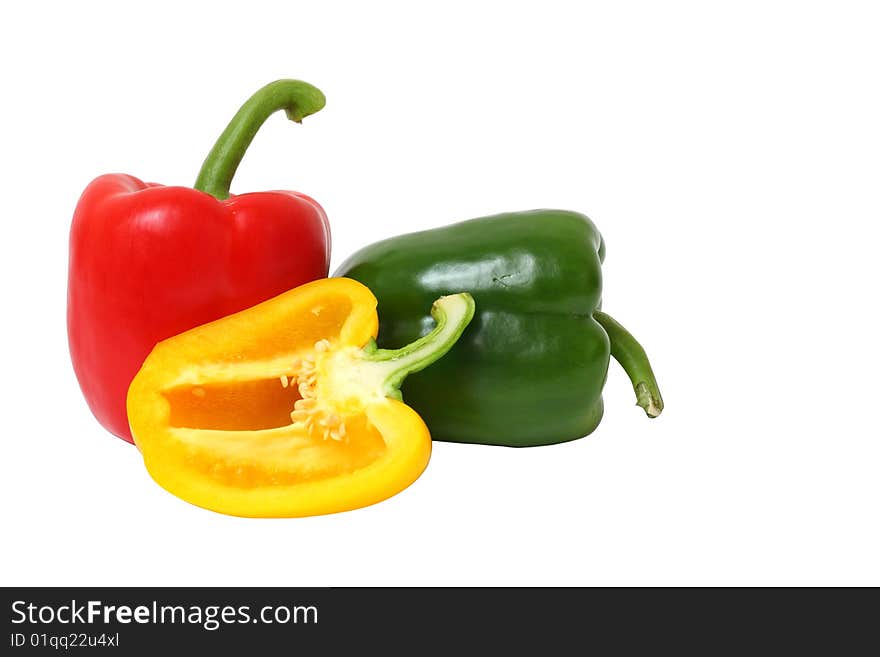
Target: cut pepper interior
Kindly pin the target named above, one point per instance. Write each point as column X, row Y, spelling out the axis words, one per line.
column 236, row 406
column 288, row 408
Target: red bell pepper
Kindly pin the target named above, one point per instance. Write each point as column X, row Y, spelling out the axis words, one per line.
column 148, row 262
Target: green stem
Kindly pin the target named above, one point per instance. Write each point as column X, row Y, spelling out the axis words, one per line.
column 632, row 357
column 452, row 314
column 298, row 99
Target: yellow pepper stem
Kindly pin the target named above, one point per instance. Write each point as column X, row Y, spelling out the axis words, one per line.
column 451, row 314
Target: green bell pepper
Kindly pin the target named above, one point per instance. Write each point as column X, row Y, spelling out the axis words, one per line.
column 530, row 368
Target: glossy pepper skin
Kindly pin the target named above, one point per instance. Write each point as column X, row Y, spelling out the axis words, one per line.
column 149, row 261
column 288, row 408
column 530, row 368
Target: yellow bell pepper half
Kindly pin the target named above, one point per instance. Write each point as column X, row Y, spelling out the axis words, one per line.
column 288, row 408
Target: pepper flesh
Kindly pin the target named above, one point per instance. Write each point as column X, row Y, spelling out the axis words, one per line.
column 288, row 408
column 530, row 368
column 149, row 261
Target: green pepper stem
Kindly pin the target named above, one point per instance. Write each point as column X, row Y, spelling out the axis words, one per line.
column 298, row 99
column 632, row 357
column 452, row 314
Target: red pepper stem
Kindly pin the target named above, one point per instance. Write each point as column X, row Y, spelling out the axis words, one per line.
column 633, row 359
column 298, row 99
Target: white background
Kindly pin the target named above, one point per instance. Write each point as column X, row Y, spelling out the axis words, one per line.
column 727, row 151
